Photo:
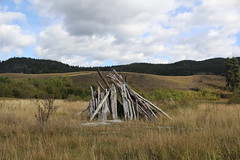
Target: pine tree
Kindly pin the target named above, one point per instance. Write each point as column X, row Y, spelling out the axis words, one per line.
column 232, row 74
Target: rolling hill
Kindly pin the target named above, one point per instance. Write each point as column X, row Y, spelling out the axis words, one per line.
column 213, row 66
column 145, row 82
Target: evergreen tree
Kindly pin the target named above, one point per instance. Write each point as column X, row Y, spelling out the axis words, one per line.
column 232, row 73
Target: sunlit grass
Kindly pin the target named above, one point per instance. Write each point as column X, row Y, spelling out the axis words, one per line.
column 203, row 131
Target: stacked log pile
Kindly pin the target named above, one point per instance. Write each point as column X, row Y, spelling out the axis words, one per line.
column 129, row 105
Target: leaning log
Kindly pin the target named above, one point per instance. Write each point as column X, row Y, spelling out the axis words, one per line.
column 99, row 106
column 104, row 80
column 165, row 114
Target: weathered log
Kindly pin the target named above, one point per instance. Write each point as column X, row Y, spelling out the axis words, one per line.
column 100, row 112
column 149, row 108
column 160, row 110
column 125, row 103
column 136, row 108
column 104, row 80
column 99, row 106
column 131, row 105
column 98, row 95
column 104, row 110
column 145, row 113
column 100, row 84
column 91, row 104
column 118, row 76
column 113, row 102
column 90, row 109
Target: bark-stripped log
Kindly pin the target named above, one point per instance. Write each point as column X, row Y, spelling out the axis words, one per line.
column 99, row 106
column 113, row 102
column 125, row 102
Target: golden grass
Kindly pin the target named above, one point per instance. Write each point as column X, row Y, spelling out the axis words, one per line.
column 204, row 131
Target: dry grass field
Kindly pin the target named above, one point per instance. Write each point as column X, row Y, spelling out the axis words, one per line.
column 198, row 131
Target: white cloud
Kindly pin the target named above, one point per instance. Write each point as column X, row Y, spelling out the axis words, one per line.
column 121, row 18
column 57, row 43
column 213, row 33
column 9, row 17
column 124, row 31
column 17, row 1
column 12, row 37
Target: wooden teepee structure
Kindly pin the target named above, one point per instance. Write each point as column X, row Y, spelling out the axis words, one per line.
column 128, row 105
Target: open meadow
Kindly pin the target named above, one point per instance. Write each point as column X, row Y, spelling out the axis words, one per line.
column 198, row 131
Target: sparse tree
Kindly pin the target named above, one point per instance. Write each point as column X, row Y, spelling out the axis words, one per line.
column 232, row 74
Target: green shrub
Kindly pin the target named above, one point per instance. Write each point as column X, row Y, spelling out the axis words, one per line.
column 234, row 98
column 58, row 87
column 176, row 95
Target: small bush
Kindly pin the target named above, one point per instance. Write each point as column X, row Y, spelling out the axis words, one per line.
column 45, row 109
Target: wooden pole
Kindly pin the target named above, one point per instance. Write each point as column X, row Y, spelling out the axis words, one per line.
column 104, row 80
column 160, row 110
column 113, row 100
column 99, row 105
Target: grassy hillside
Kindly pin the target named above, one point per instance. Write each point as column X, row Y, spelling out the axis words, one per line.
column 75, row 86
column 144, row 82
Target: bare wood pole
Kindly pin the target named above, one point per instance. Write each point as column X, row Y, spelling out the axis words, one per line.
column 125, row 103
column 91, row 107
column 113, row 99
column 99, row 105
column 100, row 112
column 118, row 76
column 145, row 113
column 165, row 114
column 137, row 110
column 100, row 84
column 146, row 110
column 105, row 110
column 149, row 108
column 98, row 94
column 132, row 108
column 104, row 80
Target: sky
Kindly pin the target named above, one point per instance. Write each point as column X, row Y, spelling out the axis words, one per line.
column 113, row 32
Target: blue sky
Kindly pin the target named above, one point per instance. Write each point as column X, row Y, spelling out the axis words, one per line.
column 93, row 33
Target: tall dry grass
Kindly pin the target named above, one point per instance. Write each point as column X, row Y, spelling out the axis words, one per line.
column 205, row 131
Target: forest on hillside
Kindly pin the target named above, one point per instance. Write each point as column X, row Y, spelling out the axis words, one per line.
column 213, row 66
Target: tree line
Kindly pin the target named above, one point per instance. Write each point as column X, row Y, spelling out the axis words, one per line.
column 213, row 66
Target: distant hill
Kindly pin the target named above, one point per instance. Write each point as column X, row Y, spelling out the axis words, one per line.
column 213, row 66
column 34, row 66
